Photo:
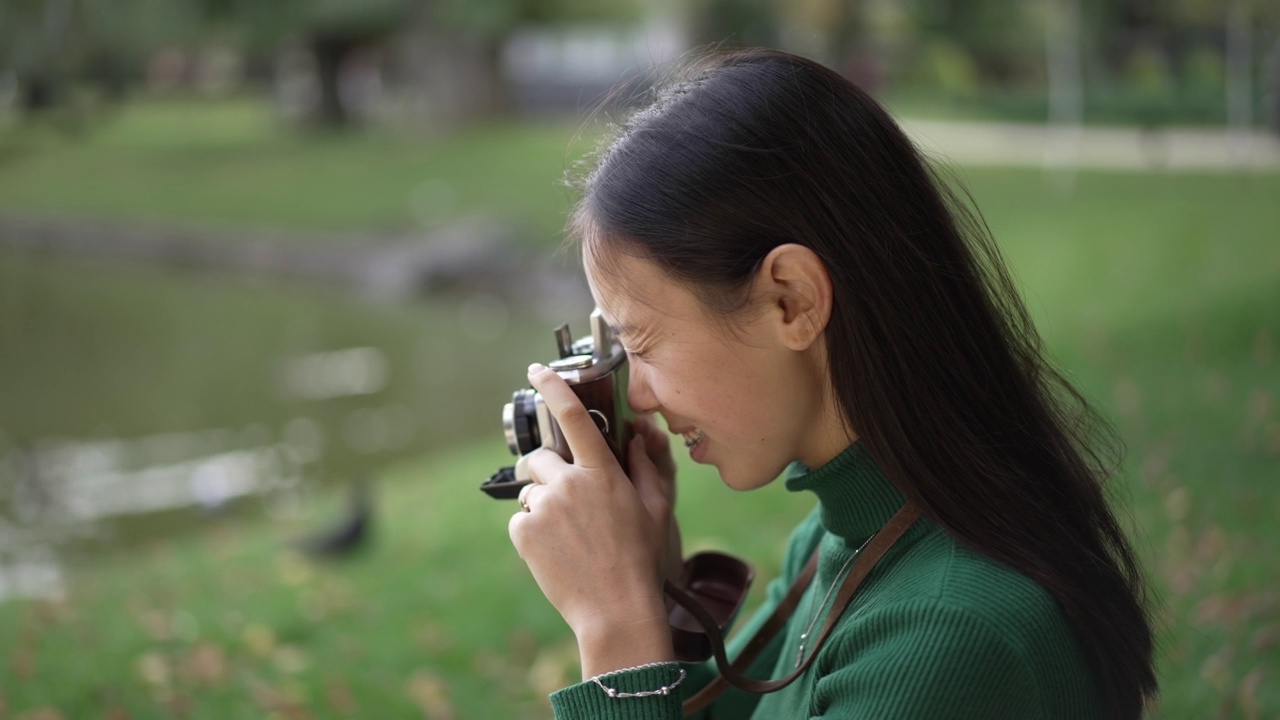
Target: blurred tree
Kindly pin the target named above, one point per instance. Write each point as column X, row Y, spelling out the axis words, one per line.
column 1062, row 63
column 478, row 30
column 331, row 30
column 734, row 22
column 1202, row 54
column 1002, row 40
column 473, row 34
column 62, row 50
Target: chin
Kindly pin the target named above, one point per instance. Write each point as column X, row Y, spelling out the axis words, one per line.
column 741, row 481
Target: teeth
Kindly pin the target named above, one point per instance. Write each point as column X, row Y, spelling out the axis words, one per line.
column 693, row 437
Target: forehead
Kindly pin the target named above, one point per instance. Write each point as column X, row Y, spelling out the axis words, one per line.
column 632, row 291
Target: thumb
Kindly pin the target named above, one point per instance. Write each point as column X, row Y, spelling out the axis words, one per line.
column 648, row 481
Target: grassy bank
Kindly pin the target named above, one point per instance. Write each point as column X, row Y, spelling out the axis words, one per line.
column 234, row 164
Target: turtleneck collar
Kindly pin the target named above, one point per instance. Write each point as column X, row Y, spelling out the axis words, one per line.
column 855, row 496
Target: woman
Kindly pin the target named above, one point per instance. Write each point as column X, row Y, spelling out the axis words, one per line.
column 797, row 291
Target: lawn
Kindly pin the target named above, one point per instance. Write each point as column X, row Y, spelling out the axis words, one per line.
column 1158, row 294
column 232, row 164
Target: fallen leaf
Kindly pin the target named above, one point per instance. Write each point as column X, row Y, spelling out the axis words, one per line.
column 1247, row 695
column 55, row 611
column 289, row 659
column 24, row 663
column 1128, row 398
column 1263, row 349
column 1271, row 439
column 338, row 693
column 294, row 570
column 1211, row 545
column 1261, row 405
column 430, row 693
column 1266, row 638
column 153, row 668
column 205, row 664
column 47, row 713
column 158, row 625
column 494, row 665
column 432, row 636
column 1180, row 568
column 1217, row 388
column 284, row 703
column 1222, row 610
column 259, row 639
column 1177, row 504
column 554, row 667
column 1154, row 467
column 178, row 705
column 1216, row 670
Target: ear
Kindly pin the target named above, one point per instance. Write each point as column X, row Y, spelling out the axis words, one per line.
column 794, row 284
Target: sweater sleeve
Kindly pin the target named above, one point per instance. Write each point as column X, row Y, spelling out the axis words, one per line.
column 925, row 661
column 587, row 700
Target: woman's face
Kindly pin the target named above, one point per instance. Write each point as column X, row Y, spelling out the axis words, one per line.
column 744, row 401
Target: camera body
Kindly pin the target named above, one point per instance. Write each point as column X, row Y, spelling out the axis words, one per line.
column 595, row 367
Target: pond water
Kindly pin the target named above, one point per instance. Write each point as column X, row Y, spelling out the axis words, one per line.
column 132, row 397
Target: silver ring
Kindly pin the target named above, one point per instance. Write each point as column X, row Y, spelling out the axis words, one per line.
column 522, row 499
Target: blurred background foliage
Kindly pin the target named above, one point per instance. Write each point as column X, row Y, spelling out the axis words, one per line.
column 1138, row 60
column 268, row 272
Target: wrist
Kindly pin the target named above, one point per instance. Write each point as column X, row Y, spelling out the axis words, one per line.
column 615, row 641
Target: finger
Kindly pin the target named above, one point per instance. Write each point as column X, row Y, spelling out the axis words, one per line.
column 585, row 440
column 650, row 485
column 657, row 443
column 654, row 437
column 544, row 466
column 523, row 499
column 516, row 528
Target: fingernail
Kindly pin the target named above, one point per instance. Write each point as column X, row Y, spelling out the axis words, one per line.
column 536, row 368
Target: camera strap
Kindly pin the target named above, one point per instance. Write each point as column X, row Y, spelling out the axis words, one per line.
column 731, row 674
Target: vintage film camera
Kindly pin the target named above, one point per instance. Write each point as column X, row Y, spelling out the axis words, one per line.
column 595, row 366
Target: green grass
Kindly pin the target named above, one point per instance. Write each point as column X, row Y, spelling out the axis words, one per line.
column 234, row 164
column 438, row 606
column 1157, row 294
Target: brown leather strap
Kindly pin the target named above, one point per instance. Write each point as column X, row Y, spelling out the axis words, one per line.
column 758, row 642
column 731, row 674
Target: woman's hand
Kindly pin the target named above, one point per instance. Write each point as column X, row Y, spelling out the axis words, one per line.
column 598, row 543
column 657, row 454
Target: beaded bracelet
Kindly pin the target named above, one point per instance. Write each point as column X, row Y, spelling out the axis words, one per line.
column 615, row 693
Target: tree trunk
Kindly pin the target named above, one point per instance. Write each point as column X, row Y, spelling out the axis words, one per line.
column 1273, row 86
column 38, row 92
column 331, row 53
column 494, row 94
column 1066, row 88
column 1239, row 83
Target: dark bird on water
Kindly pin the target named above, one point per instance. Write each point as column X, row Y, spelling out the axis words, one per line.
column 351, row 532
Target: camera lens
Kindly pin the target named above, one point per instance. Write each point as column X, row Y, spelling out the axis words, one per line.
column 520, row 422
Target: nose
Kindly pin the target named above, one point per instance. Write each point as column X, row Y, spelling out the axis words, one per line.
column 639, row 393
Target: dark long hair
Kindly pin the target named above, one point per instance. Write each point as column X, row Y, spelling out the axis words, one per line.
column 933, row 358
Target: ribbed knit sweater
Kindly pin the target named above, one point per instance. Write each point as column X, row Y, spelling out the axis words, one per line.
column 937, row 631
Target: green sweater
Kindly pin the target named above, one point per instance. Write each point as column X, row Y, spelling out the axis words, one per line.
column 937, row 631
